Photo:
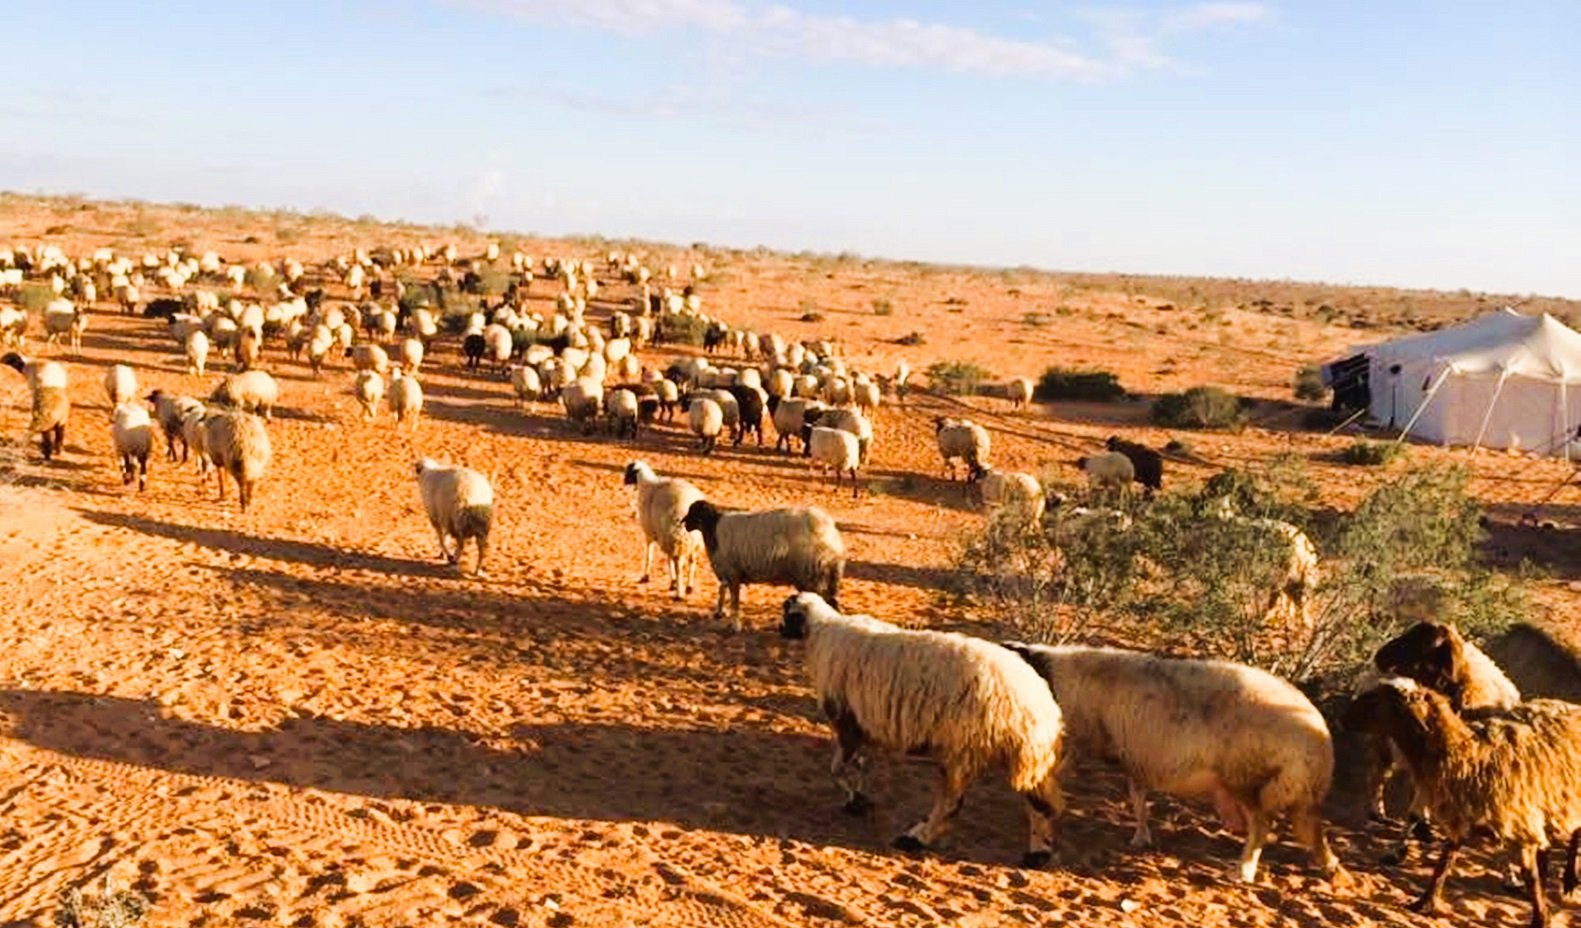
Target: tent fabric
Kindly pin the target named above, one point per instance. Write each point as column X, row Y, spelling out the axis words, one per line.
column 1502, row 380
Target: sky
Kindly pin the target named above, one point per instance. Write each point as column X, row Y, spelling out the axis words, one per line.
column 1431, row 143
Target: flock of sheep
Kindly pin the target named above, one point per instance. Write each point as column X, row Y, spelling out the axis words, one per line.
column 1438, row 711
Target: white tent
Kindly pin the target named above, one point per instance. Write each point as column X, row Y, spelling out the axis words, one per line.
column 1502, row 380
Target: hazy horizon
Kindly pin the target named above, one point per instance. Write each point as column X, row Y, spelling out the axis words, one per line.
column 1419, row 145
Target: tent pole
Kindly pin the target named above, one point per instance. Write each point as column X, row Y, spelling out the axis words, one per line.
column 1564, row 418
column 1488, row 416
column 1425, row 400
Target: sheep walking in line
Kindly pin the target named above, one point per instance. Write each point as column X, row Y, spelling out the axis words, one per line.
column 406, row 398
column 132, row 432
column 171, row 410
column 839, row 451
column 706, row 419
column 662, row 504
column 963, row 702
column 197, row 352
column 460, row 505
column 120, row 386
column 1247, row 739
column 1513, row 775
column 369, row 390
column 249, row 391
column 795, row 547
column 237, row 444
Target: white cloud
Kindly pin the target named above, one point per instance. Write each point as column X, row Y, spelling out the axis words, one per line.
column 1130, row 39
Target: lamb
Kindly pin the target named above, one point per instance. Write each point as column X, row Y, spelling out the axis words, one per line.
column 1011, row 495
column 798, row 547
column 1111, row 471
column 460, row 505
column 962, row 440
column 132, row 432
column 1290, row 601
column 171, row 410
column 662, row 504
column 369, row 390
column 1148, row 464
column 836, row 450
column 1198, row 727
column 706, row 420
column 1019, row 392
column 197, row 351
column 1515, row 775
column 120, row 385
column 249, row 391
column 965, row 703
column 237, row 443
column 406, row 398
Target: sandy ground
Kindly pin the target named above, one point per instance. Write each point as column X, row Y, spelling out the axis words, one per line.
column 299, row 716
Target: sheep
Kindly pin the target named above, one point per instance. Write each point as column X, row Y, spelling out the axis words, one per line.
column 13, row 323
column 1290, row 602
column 369, row 358
column 170, row 410
column 965, row 703
column 132, row 433
column 848, row 420
column 1148, row 464
column 197, row 352
column 662, row 504
column 1514, row 774
column 583, row 399
column 798, row 547
column 669, row 396
column 1109, row 471
column 237, row 443
column 1011, row 495
column 706, row 420
column 460, row 505
column 497, row 341
column 120, row 385
column 249, row 391
column 51, row 410
column 412, row 354
column 369, row 390
column 962, row 440
column 836, row 450
column 1019, row 392
column 790, row 415
column 473, row 347
column 60, row 315
column 248, row 348
column 406, row 398
column 749, row 405
column 38, row 373
column 624, row 413
column 193, row 434
column 1198, row 727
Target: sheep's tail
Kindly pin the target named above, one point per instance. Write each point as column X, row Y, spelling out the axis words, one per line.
column 474, row 521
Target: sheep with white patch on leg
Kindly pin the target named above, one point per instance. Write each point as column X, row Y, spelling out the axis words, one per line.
column 965, row 703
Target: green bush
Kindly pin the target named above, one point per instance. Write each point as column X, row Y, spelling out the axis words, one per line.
column 1199, row 408
column 34, row 297
column 1308, row 385
column 1058, row 383
column 684, row 329
column 956, row 378
column 1371, row 453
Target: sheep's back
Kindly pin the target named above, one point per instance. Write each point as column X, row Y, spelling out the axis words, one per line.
column 1486, row 686
column 1522, row 781
column 661, row 509
column 778, row 546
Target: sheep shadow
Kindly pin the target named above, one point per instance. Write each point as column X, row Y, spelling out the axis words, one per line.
column 923, row 488
column 939, row 579
column 276, row 549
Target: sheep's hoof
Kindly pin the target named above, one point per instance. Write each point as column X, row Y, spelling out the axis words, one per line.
column 1142, row 839
column 858, row 805
column 1036, row 860
column 643, row 579
column 1428, row 905
column 908, row 844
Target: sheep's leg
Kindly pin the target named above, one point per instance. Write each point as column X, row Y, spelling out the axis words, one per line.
column 1534, row 864
column 482, row 541
column 444, row 547
column 946, row 803
column 735, row 606
column 142, row 473
column 647, row 564
column 1044, row 804
column 1431, row 901
column 1570, row 877
column 719, row 603
column 1308, row 827
column 244, row 490
column 848, row 765
column 1143, row 836
column 1256, row 834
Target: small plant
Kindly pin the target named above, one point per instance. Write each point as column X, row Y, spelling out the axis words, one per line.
column 912, row 339
column 956, row 378
column 1199, row 408
column 34, row 297
column 109, row 908
column 1371, row 453
column 684, row 329
column 1309, row 384
column 883, row 308
column 1058, row 383
column 812, row 316
column 1035, row 320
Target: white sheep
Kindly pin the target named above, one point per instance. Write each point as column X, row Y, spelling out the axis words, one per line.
column 662, row 503
column 197, row 352
column 706, row 419
column 369, row 390
column 120, row 385
column 249, row 391
column 836, row 450
column 412, row 354
column 1012, row 495
column 1110, row 470
column 795, row 547
column 132, row 433
column 460, row 505
column 1290, row 602
column 526, row 384
column 962, row 440
column 369, row 358
column 1245, row 738
column 237, row 444
column 966, row 703
column 623, row 412
column 406, row 398
column 583, row 400
column 1019, row 392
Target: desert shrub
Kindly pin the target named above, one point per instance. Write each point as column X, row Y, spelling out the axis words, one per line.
column 1059, row 383
column 416, row 294
column 262, row 280
column 883, row 308
column 1365, row 453
column 812, row 315
column 455, row 309
column 1179, row 571
column 1035, row 320
column 1308, row 385
column 912, row 339
column 108, row 908
column 683, row 329
column 956, row 378
column 1199, row 408
column 33, row 297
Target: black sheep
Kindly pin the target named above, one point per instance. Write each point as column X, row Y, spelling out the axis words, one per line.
column 164, row 308
column 1149, row 464
column 473, row 346
column 751, row 403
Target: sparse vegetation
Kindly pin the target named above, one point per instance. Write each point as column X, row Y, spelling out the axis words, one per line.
column 811, row 316
column 34, row 296
column 883, row 307
column 684, row 330
column 957, row 378
column 1365, row 453
column 1199, row 408
column 912, row 339
column 108, row 908
column 1309, row 385
column 1035, row 320
column 1058, row 383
